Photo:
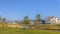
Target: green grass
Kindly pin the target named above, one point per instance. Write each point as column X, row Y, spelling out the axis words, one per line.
column 21, row 31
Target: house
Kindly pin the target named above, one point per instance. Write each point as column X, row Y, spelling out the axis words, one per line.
column 51, row 20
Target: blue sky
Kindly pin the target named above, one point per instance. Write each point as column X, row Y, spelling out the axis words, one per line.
column 17, row 9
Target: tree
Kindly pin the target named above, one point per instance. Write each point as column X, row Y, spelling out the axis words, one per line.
column 4, row 20
column 26, row 20
column 4, row 23
column 38, row 18
column 1, row 19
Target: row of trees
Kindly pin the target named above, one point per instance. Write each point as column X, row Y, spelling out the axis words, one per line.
column 26, row 19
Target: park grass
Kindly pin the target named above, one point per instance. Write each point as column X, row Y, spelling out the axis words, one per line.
column 28, row 31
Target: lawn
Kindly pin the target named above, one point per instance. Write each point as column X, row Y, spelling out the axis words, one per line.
column 21, row 31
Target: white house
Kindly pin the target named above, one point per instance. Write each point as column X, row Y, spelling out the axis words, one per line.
column 52, row 20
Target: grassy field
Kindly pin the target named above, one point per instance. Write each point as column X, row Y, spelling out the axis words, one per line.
column 21, row 31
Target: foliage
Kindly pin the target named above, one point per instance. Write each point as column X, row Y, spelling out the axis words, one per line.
column 38, row 18
column 26, row 20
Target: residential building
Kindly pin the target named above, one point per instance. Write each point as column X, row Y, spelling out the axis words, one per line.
column 52, row 20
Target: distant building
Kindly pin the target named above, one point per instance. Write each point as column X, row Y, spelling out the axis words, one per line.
column 34, row 22
column 52, row 20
